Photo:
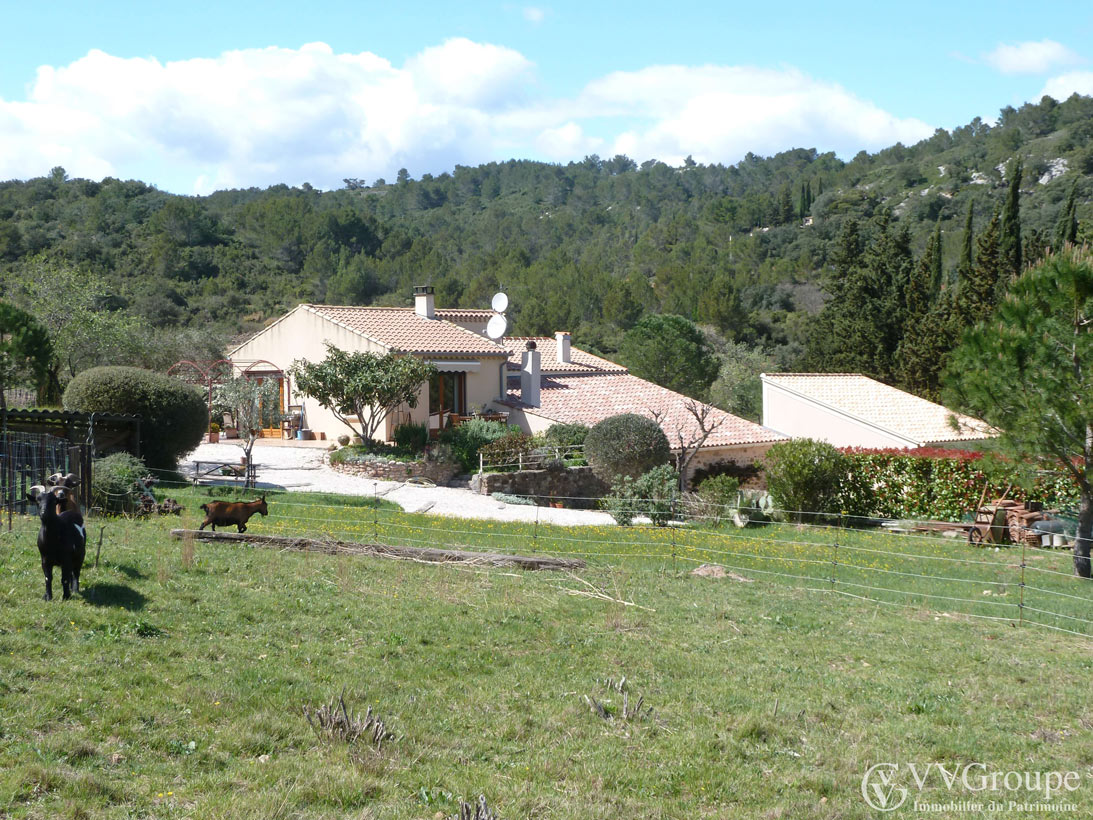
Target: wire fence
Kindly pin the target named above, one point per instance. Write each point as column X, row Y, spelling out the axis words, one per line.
column 27, row 459
column 943, row 576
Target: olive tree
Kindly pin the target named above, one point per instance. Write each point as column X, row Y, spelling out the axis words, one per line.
column 254, row 406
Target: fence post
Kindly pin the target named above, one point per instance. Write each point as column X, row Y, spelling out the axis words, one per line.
column 376, row 512
column 835, row 564
column 1021, row 602
column 672, row 512
column 535, row 534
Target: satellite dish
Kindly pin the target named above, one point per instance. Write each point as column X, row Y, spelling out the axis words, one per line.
column 497, row 326
column 500, row 302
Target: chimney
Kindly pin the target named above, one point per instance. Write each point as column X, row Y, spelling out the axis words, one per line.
column 562, row 336
column 423, row 301
column 529, row 375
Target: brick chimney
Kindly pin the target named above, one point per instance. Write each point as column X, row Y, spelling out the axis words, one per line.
column 529, row 375
column 423, row 301
column 562, row 337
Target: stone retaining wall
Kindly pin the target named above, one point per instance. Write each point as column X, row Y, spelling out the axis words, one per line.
column 438, row 473
column 563, row 484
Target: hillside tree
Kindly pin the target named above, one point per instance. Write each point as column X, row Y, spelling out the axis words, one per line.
column 1028, row 371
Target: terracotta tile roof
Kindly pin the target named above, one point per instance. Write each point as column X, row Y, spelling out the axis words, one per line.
column 580, row 360
column 403, row 330
column 460, row 315
column 590, row 398
column 883, row 406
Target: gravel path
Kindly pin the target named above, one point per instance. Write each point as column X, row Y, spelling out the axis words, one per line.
column 304, row 469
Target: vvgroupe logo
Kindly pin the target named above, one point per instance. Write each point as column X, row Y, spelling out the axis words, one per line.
column 975, row 787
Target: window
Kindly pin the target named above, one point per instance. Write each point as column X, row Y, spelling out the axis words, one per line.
column 448, row 394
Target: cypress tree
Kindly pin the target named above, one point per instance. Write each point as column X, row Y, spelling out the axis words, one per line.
column 965, row 266
column 1010, row 240
column 1066, row 230
column 937, row 273
column 978, row 290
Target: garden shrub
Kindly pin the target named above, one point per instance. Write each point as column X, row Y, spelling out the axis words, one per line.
column 114, row 482
column 173, row 414
column 509, row 498
column 507, row 450
column 411, row 437
column 466, row 439
column 806, row 478
column 653, row 494
column 714, row 499
column 565, row 435
column 626, row 445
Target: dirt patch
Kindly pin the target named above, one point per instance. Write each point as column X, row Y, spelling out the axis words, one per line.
column 715, row 571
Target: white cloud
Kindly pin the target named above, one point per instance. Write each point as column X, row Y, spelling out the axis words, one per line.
column 1030, row 57
column 263, row 116
column 728, row 111
column 534, row 14
column 1074, row 82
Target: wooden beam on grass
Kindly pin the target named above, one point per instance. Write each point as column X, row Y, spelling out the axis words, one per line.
column 432, row 555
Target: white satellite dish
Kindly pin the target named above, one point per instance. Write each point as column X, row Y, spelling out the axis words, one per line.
column 500, row 302
column 497, row 326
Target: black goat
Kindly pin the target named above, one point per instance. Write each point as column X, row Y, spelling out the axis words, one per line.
column 62, row 540
column 69, row 481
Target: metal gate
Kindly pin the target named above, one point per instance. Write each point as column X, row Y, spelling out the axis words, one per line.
column 27, row 459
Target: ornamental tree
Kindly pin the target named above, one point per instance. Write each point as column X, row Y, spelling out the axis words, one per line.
column 1028, row 371
column 366, row 386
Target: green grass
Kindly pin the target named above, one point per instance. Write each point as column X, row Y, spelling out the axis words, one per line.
column 160, row 691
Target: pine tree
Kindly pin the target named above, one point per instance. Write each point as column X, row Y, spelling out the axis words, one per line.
column 802, row 206
column 1010, row 240
column 1066, row 230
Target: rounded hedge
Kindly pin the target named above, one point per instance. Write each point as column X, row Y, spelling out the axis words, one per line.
column 173, row 414
column 625, row 445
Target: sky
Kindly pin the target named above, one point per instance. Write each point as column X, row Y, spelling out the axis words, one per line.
column 199, row 96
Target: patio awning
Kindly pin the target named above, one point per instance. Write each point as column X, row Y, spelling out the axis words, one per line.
column 449, row 366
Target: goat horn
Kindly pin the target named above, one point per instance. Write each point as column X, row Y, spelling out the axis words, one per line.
column 35, row 491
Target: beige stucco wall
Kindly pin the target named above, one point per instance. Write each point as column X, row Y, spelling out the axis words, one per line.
column 302, row 334
column 527, row 421
column 797, row 417
column 742, row 454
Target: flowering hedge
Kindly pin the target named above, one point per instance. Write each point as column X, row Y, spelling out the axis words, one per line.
column 933, row 483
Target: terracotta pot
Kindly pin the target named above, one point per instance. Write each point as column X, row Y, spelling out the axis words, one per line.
column 214, row 437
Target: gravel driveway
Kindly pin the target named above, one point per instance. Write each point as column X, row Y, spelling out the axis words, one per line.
column 304, row 469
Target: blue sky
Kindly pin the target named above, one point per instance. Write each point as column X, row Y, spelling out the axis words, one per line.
column 197, row 96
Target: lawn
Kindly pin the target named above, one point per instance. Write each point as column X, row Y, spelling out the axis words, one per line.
column 174, row 687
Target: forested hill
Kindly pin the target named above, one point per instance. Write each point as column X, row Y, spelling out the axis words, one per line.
column 752, row 250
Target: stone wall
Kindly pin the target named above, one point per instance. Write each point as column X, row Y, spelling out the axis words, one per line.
column 568, row 485
column 438, row 473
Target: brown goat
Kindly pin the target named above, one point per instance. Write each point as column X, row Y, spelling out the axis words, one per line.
column 226, row 513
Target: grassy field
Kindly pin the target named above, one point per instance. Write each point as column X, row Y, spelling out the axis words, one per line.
column 174, row 687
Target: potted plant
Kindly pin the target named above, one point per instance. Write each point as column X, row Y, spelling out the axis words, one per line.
column 214, row 433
